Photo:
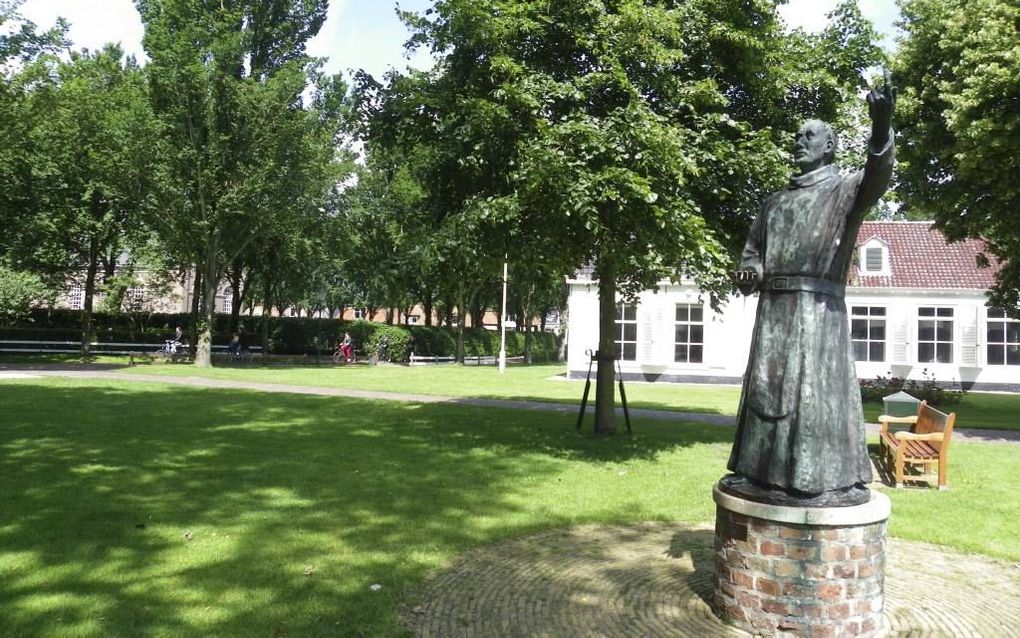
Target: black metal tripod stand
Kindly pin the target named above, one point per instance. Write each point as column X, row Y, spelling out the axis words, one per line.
column 593, row 356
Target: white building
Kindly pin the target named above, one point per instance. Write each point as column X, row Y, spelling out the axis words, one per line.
column 916, row 306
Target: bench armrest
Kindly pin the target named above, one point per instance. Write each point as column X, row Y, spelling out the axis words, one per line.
column 910, row 436
column 884, row 420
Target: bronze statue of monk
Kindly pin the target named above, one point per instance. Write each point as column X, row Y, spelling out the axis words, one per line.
column 800, row 429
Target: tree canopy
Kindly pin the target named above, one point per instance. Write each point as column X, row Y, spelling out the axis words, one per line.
column 959, row 69
column 638, row 136
column 246, row 156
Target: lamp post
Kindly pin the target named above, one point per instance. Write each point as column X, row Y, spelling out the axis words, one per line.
column 502, row 323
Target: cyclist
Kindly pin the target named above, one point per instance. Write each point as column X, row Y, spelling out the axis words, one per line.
column 347, row 348
column 177, row 341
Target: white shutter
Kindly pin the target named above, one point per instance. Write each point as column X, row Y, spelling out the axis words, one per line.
column 901, row 341
column 649, row 316
column 969, row 346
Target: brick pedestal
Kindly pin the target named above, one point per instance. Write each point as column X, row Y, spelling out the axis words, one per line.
column 815, row 572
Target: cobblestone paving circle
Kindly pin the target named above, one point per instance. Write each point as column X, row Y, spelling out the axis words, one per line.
column 655, row 579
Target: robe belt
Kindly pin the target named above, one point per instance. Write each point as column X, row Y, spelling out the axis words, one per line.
column 796, row 283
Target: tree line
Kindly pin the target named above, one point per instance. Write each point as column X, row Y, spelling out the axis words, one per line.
column 635, row 136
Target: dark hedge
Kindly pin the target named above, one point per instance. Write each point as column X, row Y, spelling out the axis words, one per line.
column 287, row 335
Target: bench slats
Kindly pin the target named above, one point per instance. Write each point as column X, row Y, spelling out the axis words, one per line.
column 900, row 452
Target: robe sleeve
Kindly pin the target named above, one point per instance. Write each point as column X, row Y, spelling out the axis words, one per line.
column 874, row 179
column 752, row 256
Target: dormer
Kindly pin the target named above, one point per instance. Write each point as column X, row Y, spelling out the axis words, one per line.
column 873, row 258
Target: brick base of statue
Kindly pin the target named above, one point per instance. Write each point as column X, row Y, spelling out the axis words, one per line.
column 808, row 571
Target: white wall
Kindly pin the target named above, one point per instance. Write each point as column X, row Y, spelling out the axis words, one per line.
column 728, row 334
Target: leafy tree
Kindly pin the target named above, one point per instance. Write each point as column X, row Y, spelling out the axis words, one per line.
column 20, row 44
column 20, row 292
column 959, row 118
column 636, row 135
column 89, row 143
column 247, row 156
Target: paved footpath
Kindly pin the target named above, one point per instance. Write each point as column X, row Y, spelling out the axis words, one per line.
column 655, row 579
column 109, row 372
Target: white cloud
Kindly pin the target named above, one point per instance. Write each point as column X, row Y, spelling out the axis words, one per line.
column 93, row 24
column 810, row 15
column 806, row 14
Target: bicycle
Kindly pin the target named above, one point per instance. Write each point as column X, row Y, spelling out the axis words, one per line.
column 339, row 358
column 168, row 349
column 241, row 355
column 171, row 350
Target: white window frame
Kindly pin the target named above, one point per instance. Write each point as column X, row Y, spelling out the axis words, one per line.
column 1005, row 344
column 870, row 319
column 938, row 318
column 626, row 320
column 136, row 297
column 689, row 326
column 76, row 297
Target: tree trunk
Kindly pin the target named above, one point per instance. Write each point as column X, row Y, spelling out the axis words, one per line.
column 525, row 316
column 196, row 300
column 529, row 340
column 235, row 298
column 267, row 312
column 203, row 351
column 448, row 314
column 477, row 312
column 461, row 318
column 426, row 307
column 110, row 266
column 605, row 392
column 90, row 290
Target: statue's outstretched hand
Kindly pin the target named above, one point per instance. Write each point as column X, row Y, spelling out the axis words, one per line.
column 881, row 104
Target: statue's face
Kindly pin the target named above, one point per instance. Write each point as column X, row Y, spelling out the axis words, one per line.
column 811, row 146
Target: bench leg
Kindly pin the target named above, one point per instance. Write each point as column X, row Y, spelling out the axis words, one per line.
column 943, row 471
column 899, row 469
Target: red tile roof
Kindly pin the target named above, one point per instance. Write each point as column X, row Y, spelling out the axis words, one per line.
column 920, row 257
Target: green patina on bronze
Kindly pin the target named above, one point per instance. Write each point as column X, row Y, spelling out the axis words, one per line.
column 800, row 428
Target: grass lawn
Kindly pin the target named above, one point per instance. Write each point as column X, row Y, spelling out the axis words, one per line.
column 144, row 509
column 542, row 382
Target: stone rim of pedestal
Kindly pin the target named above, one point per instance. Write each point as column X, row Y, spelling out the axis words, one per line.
column 877, row 509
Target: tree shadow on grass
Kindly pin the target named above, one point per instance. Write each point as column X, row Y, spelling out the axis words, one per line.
column 145, row 509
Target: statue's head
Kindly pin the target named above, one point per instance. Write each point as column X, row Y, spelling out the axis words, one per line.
column 814, row 146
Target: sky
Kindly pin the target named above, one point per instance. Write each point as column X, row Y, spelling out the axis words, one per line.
column 357, row 34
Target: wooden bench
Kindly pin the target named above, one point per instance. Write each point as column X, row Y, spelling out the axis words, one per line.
column 925, row 444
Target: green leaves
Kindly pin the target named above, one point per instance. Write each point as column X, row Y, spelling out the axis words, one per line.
column 19, row 292
column 959, row 71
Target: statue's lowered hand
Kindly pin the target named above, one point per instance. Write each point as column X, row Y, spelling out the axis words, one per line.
column 746, row 279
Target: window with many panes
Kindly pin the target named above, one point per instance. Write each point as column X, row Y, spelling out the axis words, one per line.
column 689, row 333
column 1002, row 339
column 934, row 335
column 76, row 297
column 867, row 332
column 136, row 298
column 626, row 331
column 228, row 300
